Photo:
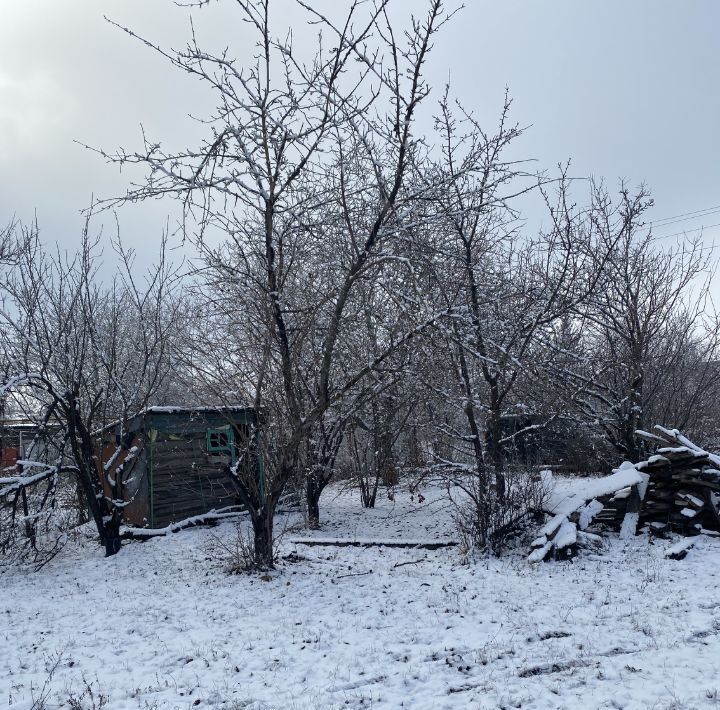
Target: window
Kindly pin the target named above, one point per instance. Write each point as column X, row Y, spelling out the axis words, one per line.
column 220, row 441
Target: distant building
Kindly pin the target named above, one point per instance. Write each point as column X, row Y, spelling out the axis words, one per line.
column 23, row 440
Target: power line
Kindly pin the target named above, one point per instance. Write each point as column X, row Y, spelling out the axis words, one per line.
column 694, row 216
column 688, row 215
column 686, row 231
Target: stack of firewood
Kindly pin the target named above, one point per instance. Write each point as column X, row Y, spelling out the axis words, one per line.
column 683, row 492
column 675, row 490
column 613, row 499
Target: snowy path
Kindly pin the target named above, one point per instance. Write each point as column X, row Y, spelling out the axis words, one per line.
column 354, row 628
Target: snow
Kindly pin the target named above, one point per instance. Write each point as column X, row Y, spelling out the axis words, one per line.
column 657, row 458
column 588, row 512
column 539, row 541
column 629, row 525
column 111, row 461
column 541, row 551
column 690, row 498
column 564, row 502
column 681, row 547
column 162, row 625
column 688, row 445
column 566, row 536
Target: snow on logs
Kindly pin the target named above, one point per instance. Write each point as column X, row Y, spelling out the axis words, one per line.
column 684, row 490
column 676, row 489
column 560, row 537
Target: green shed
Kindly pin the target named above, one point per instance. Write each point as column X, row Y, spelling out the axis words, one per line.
column 175, row 462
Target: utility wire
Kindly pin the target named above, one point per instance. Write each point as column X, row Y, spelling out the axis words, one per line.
column 684, row 219
column 687, row 215
column 686, row 231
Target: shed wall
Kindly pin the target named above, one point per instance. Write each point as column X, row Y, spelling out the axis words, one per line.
column 186, row 480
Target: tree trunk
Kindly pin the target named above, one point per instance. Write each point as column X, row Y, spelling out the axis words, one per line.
column 386, row 462
column 314, row 489
column 369, row 487
column 635, row 416
column 111, row 535
column 496, row 451
column 106, row 523
column 262, row 523
column 107, row 519
column 322, row 463
column 469, row 411
column 415, row 454
column 496, row 454
column 83, row 506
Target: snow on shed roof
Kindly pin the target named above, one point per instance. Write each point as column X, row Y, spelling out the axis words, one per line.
column 171, row 409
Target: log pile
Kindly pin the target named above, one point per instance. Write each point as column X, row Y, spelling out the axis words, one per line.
column 613, row 498
column 683, row 493
column 677, row 489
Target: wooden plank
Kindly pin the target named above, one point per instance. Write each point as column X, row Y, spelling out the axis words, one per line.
column 423, row 545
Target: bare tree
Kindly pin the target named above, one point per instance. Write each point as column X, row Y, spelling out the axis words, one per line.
column 509, row 294
column 649, row 327
column 84, row 355
column 263, row 180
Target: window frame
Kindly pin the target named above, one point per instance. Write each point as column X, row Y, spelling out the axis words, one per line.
column 219, row 449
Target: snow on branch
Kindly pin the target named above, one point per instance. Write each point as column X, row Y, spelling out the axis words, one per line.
column 12, row 484
column 210, row 518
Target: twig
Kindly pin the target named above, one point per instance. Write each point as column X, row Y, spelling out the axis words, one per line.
column 410, row 562
column 354, row 574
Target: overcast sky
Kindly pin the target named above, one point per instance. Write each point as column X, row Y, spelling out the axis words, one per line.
column 624, row 88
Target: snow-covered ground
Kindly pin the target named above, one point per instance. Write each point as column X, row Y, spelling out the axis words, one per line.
column 162, row 625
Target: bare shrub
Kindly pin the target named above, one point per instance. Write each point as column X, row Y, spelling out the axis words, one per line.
column 41, row 510
column 88, row 698
column 40, row 697
column 33, row 527
column 487, row 521
column 236, row 552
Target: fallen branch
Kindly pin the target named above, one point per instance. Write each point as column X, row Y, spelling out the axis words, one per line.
column 409, row 562
column 12, row 484
column 210, row 518
column 556, row 667
column 354, row 574
column 571, row 663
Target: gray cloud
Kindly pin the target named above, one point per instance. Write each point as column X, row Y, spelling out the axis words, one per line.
column 624, row 89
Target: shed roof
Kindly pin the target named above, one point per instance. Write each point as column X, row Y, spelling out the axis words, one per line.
column 171, row 409
column 179, row 410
